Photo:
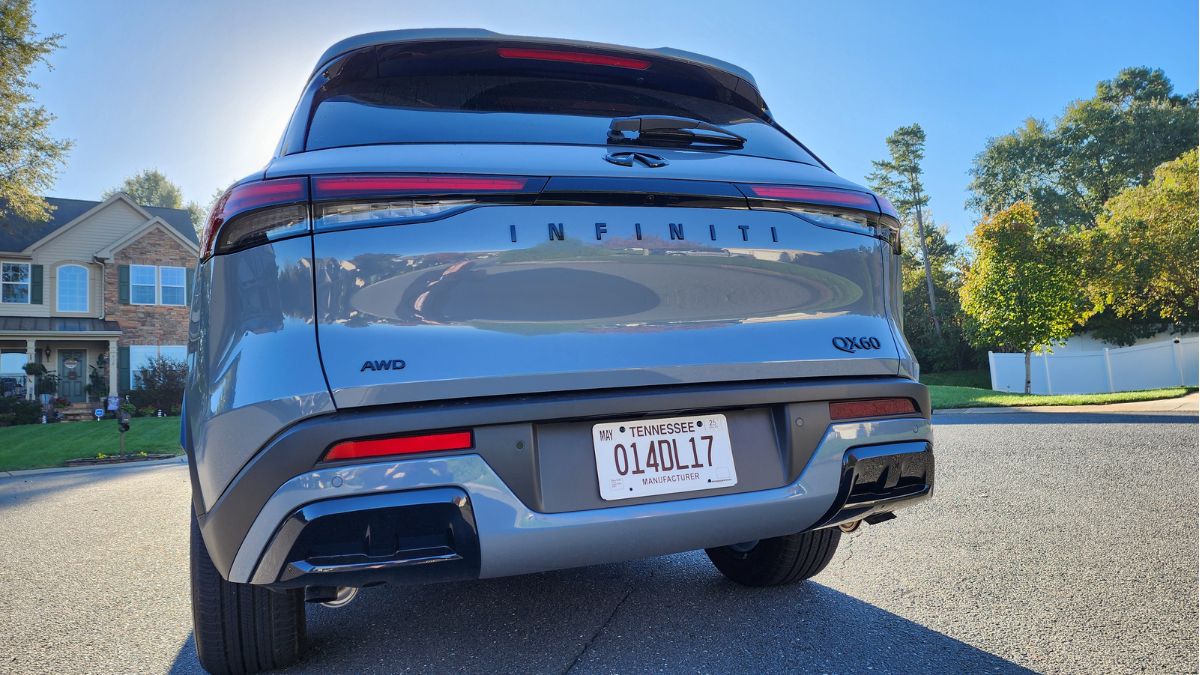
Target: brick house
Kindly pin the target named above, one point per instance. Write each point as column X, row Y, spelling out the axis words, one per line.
column 102, row 287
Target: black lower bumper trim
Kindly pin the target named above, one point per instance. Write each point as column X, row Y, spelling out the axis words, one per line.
column 418, row 536
column 881, row 478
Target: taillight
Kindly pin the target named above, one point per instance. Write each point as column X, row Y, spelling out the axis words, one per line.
column 814, row 195
column 876, row 407
column 256, row 213
column 355, row 201
column 859, row 211
column 589, row 58
column 400, row 445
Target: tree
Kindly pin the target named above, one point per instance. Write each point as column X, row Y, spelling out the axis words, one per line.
column 29, row 156
column 1144, row 253
column 949, row 350
column 160, row 384
column 899, row 179
column 152, row 188
column 1021, row 290
column 1099, row 146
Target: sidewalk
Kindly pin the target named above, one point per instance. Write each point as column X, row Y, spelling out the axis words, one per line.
column 181, row 459
column 1187, row 403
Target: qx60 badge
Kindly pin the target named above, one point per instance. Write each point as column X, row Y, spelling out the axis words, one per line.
column 854, row 344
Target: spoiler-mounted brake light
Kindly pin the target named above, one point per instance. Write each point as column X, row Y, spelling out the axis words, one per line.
column 588, row 58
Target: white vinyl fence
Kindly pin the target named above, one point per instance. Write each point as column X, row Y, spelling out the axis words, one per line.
column 1170, row 363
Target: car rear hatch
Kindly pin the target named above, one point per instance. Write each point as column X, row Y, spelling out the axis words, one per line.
column 479, row 230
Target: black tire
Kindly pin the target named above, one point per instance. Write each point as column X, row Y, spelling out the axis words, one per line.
column 781, row 560
column 241, row 628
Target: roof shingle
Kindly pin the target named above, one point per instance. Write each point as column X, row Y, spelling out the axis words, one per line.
column 17, row 233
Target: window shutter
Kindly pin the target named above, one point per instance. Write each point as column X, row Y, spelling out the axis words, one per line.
column 123, row 368
column 35, row 284
column 188, row 273
column 123, row 289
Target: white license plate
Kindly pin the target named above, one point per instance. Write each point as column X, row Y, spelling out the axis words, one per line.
column 657, row 457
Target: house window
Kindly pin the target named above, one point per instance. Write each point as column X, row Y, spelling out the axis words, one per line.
column 141, row 355
column 172, row 282
column 143, row 284
column 14, row 283
column 72, row 288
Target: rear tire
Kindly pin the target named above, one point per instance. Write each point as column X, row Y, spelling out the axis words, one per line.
column 240, row 628
column 776, row 561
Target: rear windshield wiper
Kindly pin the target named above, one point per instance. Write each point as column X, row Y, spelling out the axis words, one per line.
column 668, row 130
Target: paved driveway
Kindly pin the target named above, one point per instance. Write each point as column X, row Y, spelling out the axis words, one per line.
column 1055, row 542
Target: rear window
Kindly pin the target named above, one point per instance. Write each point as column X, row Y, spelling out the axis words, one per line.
column 469, row 93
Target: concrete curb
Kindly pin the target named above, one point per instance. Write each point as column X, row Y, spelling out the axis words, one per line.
column 181, row 459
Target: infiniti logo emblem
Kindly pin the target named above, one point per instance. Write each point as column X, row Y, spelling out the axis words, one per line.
column 629, row 158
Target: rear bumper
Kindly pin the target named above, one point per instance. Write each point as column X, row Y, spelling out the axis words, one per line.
column 511, row 513
column 511, row 539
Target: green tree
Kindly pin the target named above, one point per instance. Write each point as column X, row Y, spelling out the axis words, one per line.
column 949, row 350
column 899, row 179
column 152, row 188
column 1021, row 290
column 1144, row 253
column 29, row 156
column 1099, row 146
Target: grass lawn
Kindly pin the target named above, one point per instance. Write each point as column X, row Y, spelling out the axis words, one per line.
column 945, row 396
column 34, row 446
column 980, row 379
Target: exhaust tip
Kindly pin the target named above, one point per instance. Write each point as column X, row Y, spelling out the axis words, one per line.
column 330, row 596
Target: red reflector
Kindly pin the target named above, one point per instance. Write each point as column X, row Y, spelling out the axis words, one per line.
column 574, row 57
column 249, row 196
column 854, row 200
column 338, row 187
column 401, row 445
column 877, row 407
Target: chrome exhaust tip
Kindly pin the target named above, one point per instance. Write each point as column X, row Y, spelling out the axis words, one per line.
column 330, row 596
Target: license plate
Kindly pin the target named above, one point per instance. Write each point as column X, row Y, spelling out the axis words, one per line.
column 663, row 456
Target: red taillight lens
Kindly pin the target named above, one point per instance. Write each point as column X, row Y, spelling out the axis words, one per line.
column 400, row 445
column 589, row 58
column 815, row 195
column 232, row 225
column 352, row 187
column 876, row 407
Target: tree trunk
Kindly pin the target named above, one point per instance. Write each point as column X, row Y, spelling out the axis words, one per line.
column 1028, row 378
column 937, row 323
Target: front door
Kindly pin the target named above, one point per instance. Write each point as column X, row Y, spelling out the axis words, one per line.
column 71, row 364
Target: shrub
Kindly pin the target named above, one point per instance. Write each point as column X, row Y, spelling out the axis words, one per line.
column 160, row 384
column 22, row 411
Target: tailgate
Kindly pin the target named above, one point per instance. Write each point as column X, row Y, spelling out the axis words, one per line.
column 519, row 299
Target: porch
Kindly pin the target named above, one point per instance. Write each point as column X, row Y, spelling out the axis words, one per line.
column 73, row 349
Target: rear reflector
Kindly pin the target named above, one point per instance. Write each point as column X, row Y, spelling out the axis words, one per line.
column 814, row 195
column 400, row 445
column 876, row 407
column 589, row 58
column 349, row 187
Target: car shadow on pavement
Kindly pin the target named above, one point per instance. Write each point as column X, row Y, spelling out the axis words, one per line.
column 949, row 417
column 20, row 489
column 672, row 614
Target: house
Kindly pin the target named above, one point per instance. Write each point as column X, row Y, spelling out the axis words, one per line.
column 93, row 294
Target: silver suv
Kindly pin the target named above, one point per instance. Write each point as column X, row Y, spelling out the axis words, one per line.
column 502, row 305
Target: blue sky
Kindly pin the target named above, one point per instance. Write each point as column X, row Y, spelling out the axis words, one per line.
column 202, row 90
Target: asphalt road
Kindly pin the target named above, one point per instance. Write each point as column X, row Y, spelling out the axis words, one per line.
column 1059, row 543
